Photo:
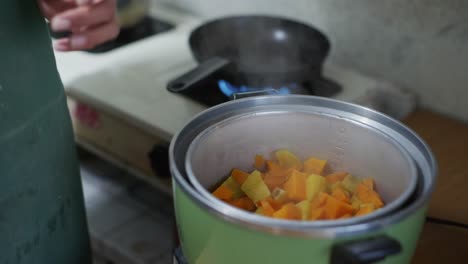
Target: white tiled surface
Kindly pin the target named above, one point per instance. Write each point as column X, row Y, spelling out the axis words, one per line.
column 128, row 222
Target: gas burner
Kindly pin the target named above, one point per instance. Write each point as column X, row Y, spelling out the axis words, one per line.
column 213, row 91
column 230, row 90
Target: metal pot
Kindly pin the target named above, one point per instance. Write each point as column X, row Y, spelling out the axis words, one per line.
column 360, row 140
column 347, row 145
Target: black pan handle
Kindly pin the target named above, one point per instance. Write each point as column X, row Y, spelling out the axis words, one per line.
column 364, row 251
column 197, row 75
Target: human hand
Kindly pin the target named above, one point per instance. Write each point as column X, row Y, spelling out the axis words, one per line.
column 91, row 22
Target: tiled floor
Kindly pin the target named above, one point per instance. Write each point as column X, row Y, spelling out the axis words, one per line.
column 128, row 221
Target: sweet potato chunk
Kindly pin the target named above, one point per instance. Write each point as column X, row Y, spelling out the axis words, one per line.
column 295, row 186
column 288, row 211
column 313, row 165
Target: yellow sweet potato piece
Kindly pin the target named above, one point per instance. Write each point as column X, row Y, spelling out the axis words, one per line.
column 333, row 186
column 369, row 182
column 340, row 194
column 315, row 166
column 288, row 211
column 259, row 211
column 367, row 195
column 223, row 193
column 295, row 186
column 239, row 175
column 350, row 182
column 304, row 206
column 255, row 188
column 234, row 187
column 336, row 177
column 365, row 209
column 287, row 160
column 314, row 184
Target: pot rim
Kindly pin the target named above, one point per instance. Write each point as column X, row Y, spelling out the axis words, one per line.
column 421, row 154
column 238, row 213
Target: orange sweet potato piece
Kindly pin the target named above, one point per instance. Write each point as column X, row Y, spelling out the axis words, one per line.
column 366, row 195
column 223, row 193
column 268, row 209
column 288, row 211
column 318, row 201
column 259, row 162
column 239, row 175
column 317, row 214
column 244, row 203
column 365, row 209
column 276, row 204
column 346, row 216
column 273, row 181
column 369, row 182
column 275, row 169
column 335, row 208
column 340, row 194
column 295, row 186
column 336, row 177
column 313, row 165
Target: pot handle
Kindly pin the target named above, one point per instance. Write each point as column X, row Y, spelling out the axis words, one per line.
column 198, row 74
column 368, row 250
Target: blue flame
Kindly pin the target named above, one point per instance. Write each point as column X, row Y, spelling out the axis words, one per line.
column 229, row 89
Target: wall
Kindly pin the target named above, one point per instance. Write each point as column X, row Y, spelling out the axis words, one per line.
column 421, row 45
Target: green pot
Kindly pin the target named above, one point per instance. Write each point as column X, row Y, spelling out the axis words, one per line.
column 209, row 145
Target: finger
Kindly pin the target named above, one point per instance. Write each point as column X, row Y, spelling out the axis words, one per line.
column 89, row 38
column 50, row 8
column 83, row 2
column 84, row 16
column 62, row 44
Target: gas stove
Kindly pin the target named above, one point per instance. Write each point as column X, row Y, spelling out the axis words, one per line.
column 132, row 79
